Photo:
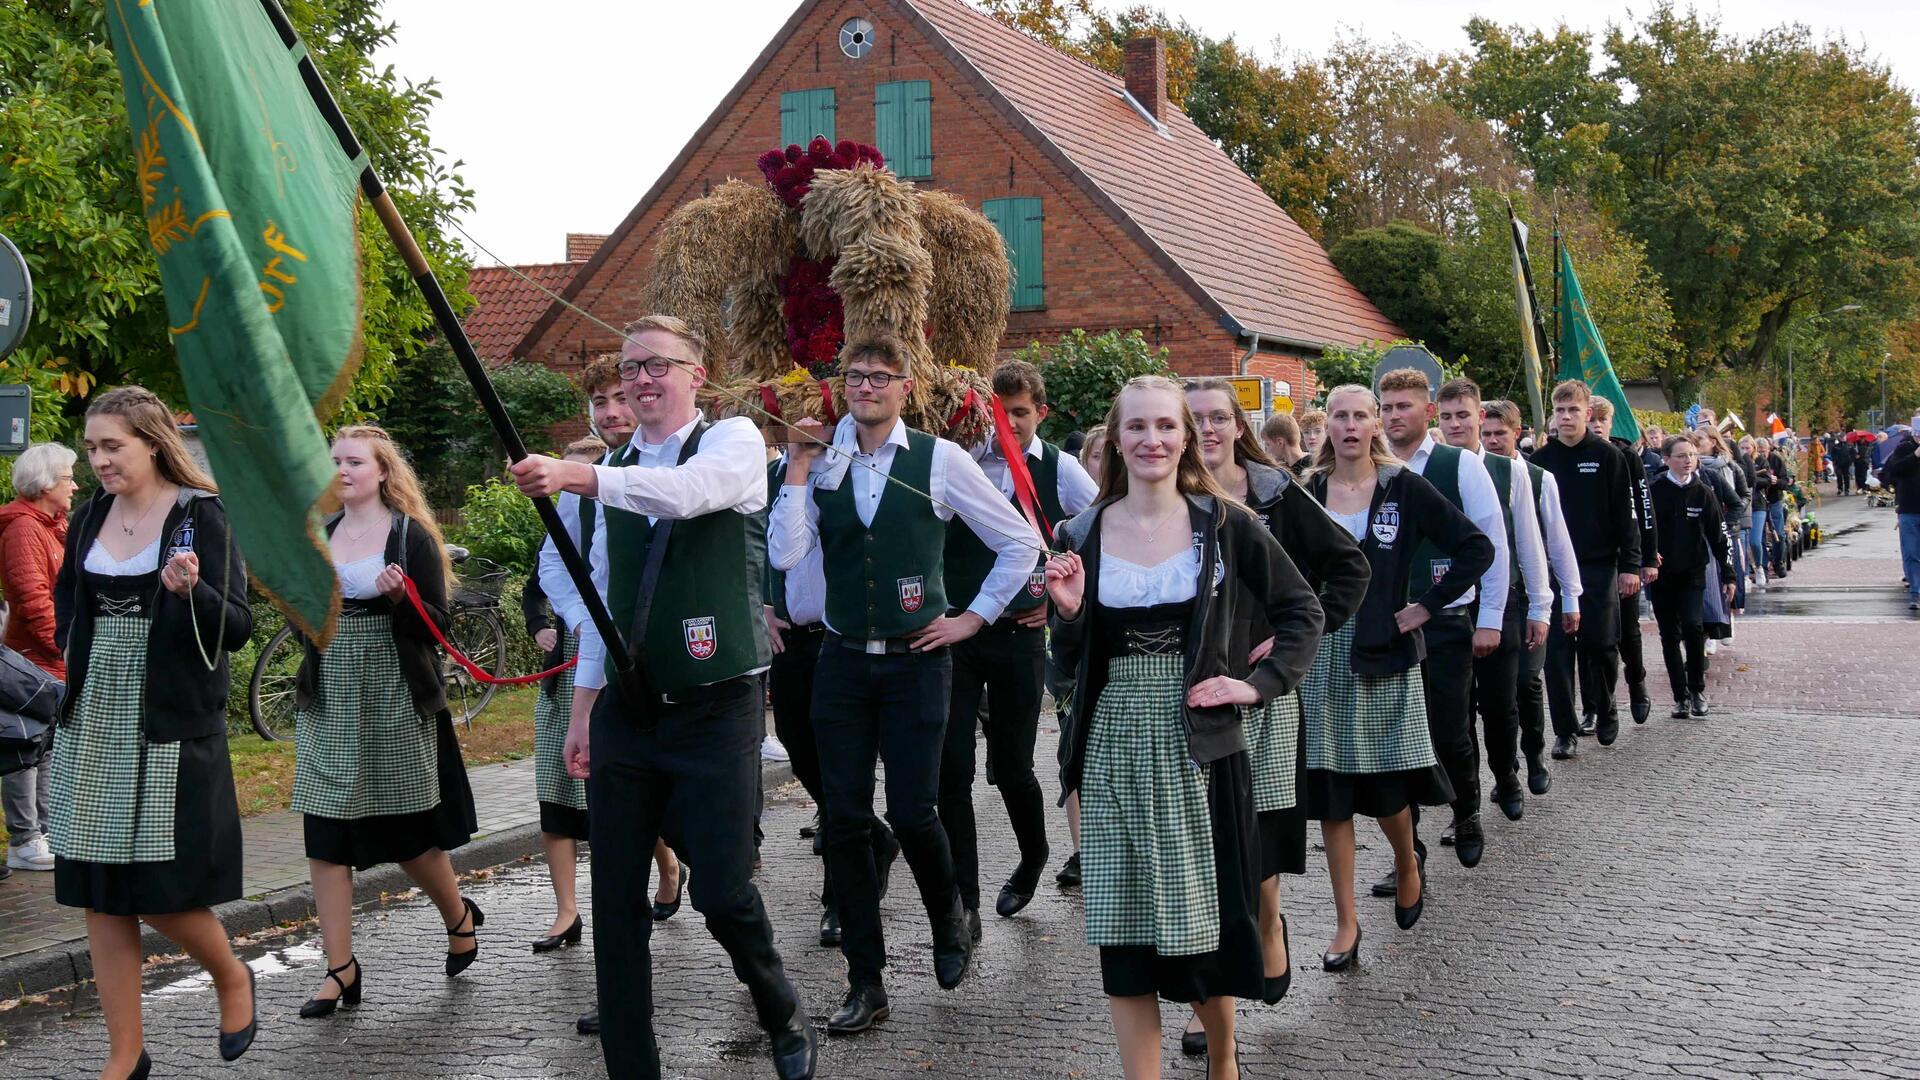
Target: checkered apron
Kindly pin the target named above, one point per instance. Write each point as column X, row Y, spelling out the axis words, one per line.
column 551, row 714
column 1146, row 838
column 1273, row 748
column 111, row 791
column 1363, row 723
column 361, row 748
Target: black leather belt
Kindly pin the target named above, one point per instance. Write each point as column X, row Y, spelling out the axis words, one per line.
column 872, row 646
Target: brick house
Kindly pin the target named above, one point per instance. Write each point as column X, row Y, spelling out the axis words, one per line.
column 506, row 305
column 1117, row 211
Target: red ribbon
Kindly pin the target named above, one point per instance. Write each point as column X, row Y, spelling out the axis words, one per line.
column 826, row 402
column 771, row 400
column 460, row 658
column 966, row 406
column 1023, row 488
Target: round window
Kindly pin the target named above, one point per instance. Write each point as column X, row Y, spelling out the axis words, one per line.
column 856, row 38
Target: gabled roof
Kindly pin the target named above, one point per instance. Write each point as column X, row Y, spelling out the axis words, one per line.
column 506, row 306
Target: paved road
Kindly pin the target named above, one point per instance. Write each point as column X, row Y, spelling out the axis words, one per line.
column 1727, row 898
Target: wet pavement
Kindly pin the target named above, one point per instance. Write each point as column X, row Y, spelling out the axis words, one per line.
column 1718, row 898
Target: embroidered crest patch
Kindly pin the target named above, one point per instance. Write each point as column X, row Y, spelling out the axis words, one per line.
column 913, row 592
column 700, row 637
column 1037, row 583
column 1386, row 523
column 1440, row 569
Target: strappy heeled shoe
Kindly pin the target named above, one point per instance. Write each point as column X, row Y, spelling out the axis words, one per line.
column 235, row 1043
column 569, row 936
column 349, row 993
column 458, row 962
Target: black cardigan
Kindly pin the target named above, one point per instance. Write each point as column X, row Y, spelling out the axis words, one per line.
column 419, row 652
column 1406, row 510
column 1249, row 565
column 183, row 700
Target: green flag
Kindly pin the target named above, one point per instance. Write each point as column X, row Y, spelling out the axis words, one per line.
column 1583, row 354
column 251, row 208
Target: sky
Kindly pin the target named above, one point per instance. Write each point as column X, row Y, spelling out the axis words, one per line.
column 564, row 112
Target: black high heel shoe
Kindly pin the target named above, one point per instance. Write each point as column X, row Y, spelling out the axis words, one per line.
column 1277, row 987
column 1407, row 916
column 569, row 936
column 349, row 994
column 235, row 1043
column 663, row 912
column 459, row 962
column 141, row 1068
column 1193, row 1043
column 1341, row 961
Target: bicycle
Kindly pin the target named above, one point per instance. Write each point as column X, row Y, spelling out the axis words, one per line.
column 474, row 626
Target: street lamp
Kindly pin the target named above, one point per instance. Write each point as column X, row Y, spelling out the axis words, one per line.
column 1791, row 424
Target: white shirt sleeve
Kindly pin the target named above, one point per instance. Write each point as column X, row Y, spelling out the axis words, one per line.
column 1533, row 550
column 728, row 472
column 958, row 483
column 793, row 527
column 591, row 673
column 564, row 598
column 1077, row 489
column 1482, row 503
column 1560, row 553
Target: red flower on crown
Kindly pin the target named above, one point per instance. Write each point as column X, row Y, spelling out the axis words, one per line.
column 814, row 314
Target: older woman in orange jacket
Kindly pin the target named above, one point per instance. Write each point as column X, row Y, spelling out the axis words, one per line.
column 33, row 537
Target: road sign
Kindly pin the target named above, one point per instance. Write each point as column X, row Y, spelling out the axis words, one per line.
column 16, row 297
column 16, row 407
column 1250, row 391
column 1413, row 356
column 1282, row 404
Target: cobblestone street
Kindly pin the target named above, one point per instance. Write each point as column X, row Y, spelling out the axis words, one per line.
column 1726, row 898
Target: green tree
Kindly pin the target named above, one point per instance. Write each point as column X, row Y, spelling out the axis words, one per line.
column 1083, row 373
column 434, row 414
column 1399, row 267
column 499, row 524
column 68, row 199
column 1541, row 91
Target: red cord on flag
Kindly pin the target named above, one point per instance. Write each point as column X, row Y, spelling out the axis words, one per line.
column 1023, row 487
column 471, row 668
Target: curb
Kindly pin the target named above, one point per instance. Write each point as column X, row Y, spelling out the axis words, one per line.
column 69, row 962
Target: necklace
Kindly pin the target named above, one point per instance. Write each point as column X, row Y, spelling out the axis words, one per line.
column 1142, row 526
column 359, row 536
column 141, row 520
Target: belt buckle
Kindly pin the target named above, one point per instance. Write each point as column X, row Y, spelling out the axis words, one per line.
column 876, row 646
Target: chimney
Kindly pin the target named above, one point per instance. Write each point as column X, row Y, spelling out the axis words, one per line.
column 581, row 246
column 1147, row 75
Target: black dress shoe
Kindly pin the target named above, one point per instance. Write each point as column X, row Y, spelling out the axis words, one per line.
column 569, row 936
column 1390, row 885
column 808, row 830
column 1587, row 723
column 952, row 947
column 1539, row 780
column 1699, row 704
column 1679, row 709
column 865, row 1006
column 1641, row 705
column 1193, row 1043
column 1469, row 844
column 1010, row 901
column 1341, row 961
column 663, row 912
column 795, row 1048
column 235, row 1043
column 1511, row 802
column 1563, row 748
column 1447, row 834
column 588, row 1024
column 974, row 932
column 474, row 919
column 1607, row 730
column 830, row 926
column 1069, row 875
column 1405, row 917
column 349, row 993
column 1278, row 985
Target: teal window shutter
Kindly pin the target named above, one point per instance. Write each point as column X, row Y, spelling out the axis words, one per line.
column 1019, row 222
column 804, row 114
column 903, row 127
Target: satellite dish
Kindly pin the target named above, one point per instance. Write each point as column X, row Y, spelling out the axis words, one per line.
column 1411, row 356
column 16, row 297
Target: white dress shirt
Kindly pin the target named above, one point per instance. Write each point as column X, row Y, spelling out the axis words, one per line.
column 728, row 472
column 806, row 583
column 1481, row 502
column 1076, row 490
column 1534, row 574
column 565, row 600
column 956, row 484
column 1560, row 553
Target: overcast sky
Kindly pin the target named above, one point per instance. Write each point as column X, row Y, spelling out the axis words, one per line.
column 565, row 111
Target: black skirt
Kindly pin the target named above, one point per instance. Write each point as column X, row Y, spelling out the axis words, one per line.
column 1283, row 833
column 206, row 864
column 559, row 819
column 367, row 842
column 1237, row 968
column 1336, row 796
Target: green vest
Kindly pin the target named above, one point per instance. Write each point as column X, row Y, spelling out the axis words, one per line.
column 1430, row 564
column 705, row 625
column 1501, row 469
column 884, row 580
column 969, row 560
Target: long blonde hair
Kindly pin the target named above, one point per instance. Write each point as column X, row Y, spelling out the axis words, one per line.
column 1191, row 475
column 1323, row 459
column 400, row 490
column 152, row 423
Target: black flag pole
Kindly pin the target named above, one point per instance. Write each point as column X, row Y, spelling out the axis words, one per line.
column 456, row 335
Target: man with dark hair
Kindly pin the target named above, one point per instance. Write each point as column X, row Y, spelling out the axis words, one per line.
column 1596, row 494
column 1005, row 663
column 883, row 683
column 1632, row 657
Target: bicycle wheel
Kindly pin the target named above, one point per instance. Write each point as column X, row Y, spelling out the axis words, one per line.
column 270, row 691
column 479, row 634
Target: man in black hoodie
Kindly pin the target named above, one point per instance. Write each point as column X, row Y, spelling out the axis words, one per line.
column 1596, row 494
column 1632, row 661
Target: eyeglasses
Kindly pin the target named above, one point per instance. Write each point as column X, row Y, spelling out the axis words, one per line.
column 656, row 366
column 1213, row 419
column 879, row 380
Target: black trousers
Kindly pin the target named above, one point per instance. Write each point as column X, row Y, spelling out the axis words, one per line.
column 1679, row 607
column 700, row 765
column 1843, row 477
column 1861, row 465
column 1496, row 678
column 1594, row 652
column 1531, row 695
column 1447, row 676
column 866, row 709
column 1633, row 662
column 1007, row 662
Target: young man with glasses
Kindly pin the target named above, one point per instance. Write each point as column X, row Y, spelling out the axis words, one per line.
column 878, row 504
column 681, row 567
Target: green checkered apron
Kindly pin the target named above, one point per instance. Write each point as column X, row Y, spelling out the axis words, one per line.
column 1146, row 838
column 551, row 714
column 361, row 748
column 1273, row 748
column 111, row 791
column 1363, row 723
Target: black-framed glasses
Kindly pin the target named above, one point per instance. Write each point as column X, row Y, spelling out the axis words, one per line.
column 879, row 380
column 656, row 366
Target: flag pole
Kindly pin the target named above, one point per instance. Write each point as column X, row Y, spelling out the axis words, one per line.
column 456, row 335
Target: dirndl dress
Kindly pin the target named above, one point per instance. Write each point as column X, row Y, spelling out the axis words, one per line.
column 1369, row 752
column 1167, row 847
column 138, row 827
column 377, row 781
column 1276, row 756
column 563, row 799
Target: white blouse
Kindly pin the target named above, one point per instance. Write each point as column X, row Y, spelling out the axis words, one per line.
column 357, row 577
column 1355, row 523
column 1172, row 580
column 100, row 561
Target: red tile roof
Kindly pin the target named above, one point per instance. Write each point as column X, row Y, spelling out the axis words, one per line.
column 581, row 246
column 507, row 306
column 1233, row 243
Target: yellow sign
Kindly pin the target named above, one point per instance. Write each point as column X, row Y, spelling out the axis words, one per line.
column 1248, row 390
column 1282, row 404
